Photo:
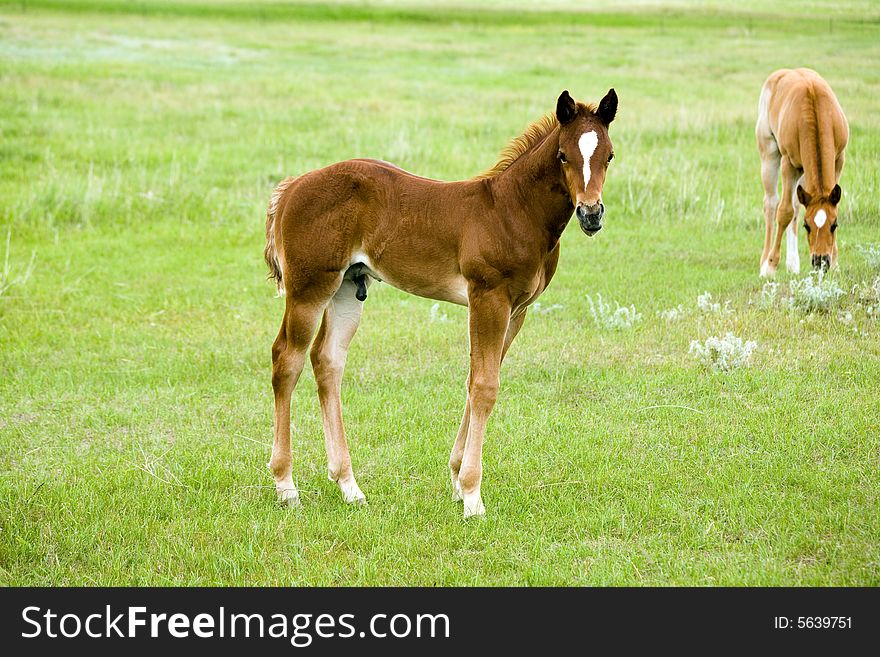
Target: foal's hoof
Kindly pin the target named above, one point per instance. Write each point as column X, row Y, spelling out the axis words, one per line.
column 288, row 498
column 474, row 509
column 358, row 499
column 352, row 494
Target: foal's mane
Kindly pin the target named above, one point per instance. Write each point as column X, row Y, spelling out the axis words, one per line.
column 531, row 137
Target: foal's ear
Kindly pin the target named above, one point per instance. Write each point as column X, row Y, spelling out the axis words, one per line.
column 803, row 196
column 608, row 107
column 566, row 109
column 834, row 198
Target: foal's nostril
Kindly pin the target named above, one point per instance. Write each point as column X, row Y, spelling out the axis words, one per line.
column 821, row 261
column 593, row 212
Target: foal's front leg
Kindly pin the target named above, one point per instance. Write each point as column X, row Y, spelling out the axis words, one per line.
column 786, row 212
column 457, row 454
column 458, row 446
column 489, row 318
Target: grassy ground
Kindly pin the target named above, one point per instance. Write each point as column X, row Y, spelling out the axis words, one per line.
column 139, row 144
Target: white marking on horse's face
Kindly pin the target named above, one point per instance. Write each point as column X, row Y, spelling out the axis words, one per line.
column 587, row 143
column 820, row 218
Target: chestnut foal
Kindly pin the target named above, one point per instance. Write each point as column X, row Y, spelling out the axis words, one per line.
column 802, row 132
column 490, row 243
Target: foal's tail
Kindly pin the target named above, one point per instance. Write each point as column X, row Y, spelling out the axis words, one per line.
column 271, row 252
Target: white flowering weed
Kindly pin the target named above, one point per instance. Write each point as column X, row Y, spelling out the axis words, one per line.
column 673, row 314
column 436, row 315
column 814, row 293
column 621, row 318
column 871, row 254
column 769, row 294
column 723, row 354
column 708, row 306
column 867, row 295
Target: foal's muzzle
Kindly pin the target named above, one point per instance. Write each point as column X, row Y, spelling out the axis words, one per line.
column 821, row 261
column 590, row 217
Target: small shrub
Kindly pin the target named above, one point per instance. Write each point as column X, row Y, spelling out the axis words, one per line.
column 769, row 294
column 867, row 295
column 707, row 306
column 673, row 314
column 814, row 294
column 871, row 254
column 621, row 318
column 723, row 354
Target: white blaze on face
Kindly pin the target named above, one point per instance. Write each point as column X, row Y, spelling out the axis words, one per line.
column 820, row 218
column 587, row 143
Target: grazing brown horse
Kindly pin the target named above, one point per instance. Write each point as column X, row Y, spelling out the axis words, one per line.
column 490, row 243
column 803, row 132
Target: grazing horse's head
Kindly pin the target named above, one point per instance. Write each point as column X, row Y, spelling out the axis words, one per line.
column 820, row 222
column 585, row 151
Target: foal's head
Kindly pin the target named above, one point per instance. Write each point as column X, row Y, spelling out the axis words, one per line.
column 585, row 151
column 820, row 223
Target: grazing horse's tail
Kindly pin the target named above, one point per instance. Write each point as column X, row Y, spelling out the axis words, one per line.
column 271, row 252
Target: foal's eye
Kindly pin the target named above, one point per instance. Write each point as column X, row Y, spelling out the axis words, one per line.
column 833, row 226
column 610, row 157
column 807, row 226
column 562, row 157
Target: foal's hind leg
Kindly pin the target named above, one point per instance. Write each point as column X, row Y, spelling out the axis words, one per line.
column 302, row 312
column 770, row 158
column 328, row 355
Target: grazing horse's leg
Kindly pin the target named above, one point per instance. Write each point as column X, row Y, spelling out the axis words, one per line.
column 489, row 318
column 301, row 315
column 792, row 257
column 460, row 439
column 770, row 158
column 341, row 319
column 786, row 211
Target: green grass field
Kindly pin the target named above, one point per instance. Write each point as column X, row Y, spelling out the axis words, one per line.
column 139, row 142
